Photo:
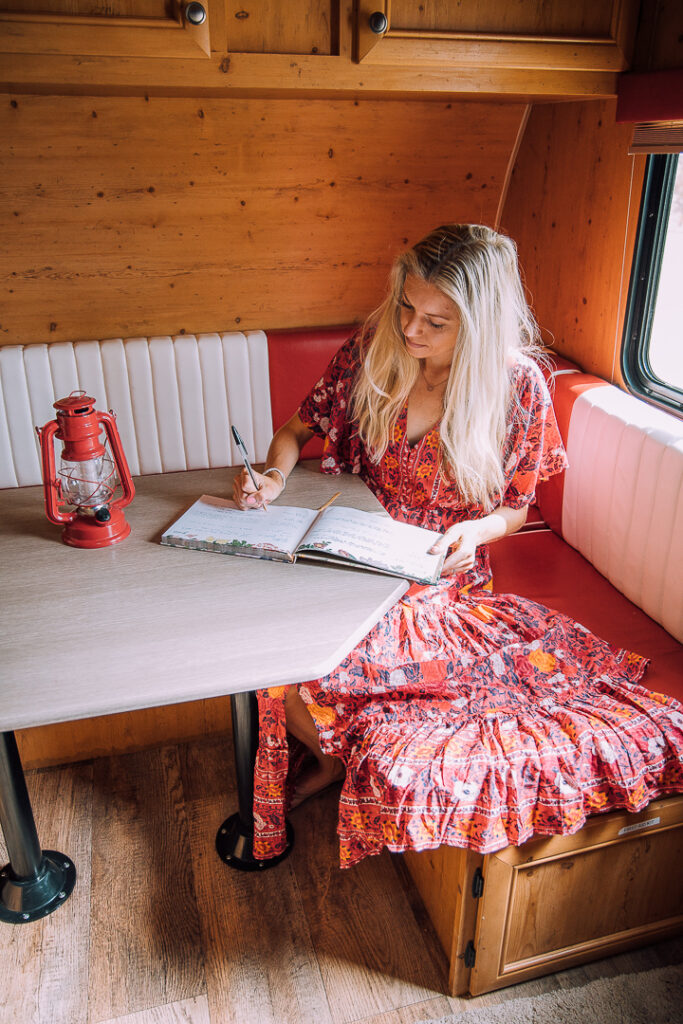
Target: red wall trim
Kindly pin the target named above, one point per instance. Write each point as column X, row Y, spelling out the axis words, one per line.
column 650, row 96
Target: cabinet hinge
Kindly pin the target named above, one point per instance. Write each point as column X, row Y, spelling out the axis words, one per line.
column 470, row 954
column 477, row 884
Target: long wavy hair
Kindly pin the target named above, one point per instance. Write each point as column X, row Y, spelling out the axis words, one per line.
column 477, row 268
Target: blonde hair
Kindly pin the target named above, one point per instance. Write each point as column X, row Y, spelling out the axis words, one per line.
column 477, row 268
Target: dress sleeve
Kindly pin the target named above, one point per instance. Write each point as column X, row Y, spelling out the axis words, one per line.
column 325, row 411
column 533, row 450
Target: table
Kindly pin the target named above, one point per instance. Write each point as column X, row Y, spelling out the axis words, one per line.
column 138, row 625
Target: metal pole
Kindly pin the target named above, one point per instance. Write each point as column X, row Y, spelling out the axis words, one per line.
column 35, row 882
column 16, row 815
column 244, row 708
column 235, row 838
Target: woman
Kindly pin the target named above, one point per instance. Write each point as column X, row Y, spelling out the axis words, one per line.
column 464, row 717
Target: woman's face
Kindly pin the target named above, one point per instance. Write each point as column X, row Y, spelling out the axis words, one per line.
column 429, row 320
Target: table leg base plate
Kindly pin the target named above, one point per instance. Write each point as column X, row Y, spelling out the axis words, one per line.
column 234, row 845
column 29, row 899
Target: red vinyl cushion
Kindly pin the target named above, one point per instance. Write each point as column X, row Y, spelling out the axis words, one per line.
column 564, row 389
column 297, row 359
column 544, row 568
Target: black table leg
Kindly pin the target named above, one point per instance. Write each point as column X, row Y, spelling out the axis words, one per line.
column 35, row 882
column 234, row 841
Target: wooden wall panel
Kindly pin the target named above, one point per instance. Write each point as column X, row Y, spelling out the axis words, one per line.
column 571, row 206
column 131, row 730
column 123, row 216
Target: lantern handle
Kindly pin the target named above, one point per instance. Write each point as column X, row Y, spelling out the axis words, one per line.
column 108, row 420
column 51, row 487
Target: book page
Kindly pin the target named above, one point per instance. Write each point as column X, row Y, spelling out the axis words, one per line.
column 216, row 524
column 376, row 541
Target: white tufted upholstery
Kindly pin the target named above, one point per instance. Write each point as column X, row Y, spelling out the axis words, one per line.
column 623, row 499
column 174, row 398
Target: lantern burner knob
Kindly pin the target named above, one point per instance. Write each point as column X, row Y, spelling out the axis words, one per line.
column 102, row 514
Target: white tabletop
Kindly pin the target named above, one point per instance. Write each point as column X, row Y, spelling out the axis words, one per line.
column 136, row 625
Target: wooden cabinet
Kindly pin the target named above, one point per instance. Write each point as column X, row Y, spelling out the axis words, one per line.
column 555, row 902
column 97, row 28
column 531, row 49
column 581, row 36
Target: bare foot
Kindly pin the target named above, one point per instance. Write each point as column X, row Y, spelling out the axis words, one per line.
column 318, row 778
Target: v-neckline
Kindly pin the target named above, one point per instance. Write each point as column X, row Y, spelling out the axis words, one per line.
column 403, row 423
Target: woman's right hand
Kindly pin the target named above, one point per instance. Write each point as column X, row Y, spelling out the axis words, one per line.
column 246, row 496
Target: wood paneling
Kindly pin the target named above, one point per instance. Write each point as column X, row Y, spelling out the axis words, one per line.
column 267, row 47
column 269, row 26
column 115, row 734
column 570, row 208
column 558, row 901
column 97, row 29
column 444, row 878
column 126, row 217
column 490, row 34
column 551, row 18
column 659, row 41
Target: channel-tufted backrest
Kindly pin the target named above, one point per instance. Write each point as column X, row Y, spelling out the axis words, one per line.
column 174, row 398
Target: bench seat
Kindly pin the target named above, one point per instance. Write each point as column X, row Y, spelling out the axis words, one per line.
column 543, row 567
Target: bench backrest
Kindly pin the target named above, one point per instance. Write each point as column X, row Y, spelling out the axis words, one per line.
column 174, row 398
column 620, row 502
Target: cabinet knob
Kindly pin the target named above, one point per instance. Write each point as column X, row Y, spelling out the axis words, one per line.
column 195, row 14
column 378, row 23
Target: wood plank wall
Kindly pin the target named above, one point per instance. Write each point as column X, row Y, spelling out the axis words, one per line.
column 572, row 206
column 125, row 216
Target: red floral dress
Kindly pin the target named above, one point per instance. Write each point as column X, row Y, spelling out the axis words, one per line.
column 466, row 717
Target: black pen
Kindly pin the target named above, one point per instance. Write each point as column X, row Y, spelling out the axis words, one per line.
column 245, row 458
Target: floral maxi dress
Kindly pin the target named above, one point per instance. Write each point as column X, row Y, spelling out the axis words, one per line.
column 466, row 717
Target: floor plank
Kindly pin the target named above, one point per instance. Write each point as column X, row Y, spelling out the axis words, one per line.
column 44, row 964
column 189, row 1011
column 260, row 963
column 145, row 937
column 413, row 1014
column 364, row 932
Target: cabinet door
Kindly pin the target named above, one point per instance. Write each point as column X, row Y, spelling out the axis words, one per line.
column 581, row 36
column 101, row 28
column 557, row 902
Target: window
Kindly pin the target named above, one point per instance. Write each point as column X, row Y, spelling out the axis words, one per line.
column 652, row 354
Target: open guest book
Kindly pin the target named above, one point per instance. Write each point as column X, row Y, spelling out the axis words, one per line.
column 365, row 540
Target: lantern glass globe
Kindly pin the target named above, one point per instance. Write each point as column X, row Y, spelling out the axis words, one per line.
column 88, row 484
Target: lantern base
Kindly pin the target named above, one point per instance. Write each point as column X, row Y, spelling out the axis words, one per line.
column 28, row 899
column 87, row 532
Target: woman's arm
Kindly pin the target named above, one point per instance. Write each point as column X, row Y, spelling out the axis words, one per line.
column 464, row 538
column 283, row 454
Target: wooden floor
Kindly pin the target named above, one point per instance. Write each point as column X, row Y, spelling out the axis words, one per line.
column 159, row 931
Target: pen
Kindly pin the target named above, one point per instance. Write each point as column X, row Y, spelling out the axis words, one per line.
column 329, row 501
column 245, row 459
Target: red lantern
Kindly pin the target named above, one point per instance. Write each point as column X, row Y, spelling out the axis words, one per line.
column 87, row 477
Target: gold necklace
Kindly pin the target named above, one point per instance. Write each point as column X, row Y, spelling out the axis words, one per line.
column 431, row 387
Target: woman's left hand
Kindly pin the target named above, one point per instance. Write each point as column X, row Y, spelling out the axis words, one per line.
column 463, row 539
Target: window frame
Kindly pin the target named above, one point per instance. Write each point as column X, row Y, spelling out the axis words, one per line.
column 653, row 221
